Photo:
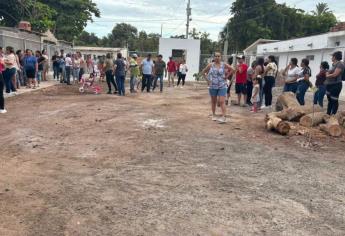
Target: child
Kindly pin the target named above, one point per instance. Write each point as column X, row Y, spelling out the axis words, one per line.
column 256, row 95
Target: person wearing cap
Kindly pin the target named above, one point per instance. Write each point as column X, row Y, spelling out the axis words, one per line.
column 147, row 71
column 160, row 70
column 171, row 71
column 241, row 80
column 134, row 70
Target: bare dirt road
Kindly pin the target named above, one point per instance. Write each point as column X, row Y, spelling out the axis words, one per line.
column 155, row 164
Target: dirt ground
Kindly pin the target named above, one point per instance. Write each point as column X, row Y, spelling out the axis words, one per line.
column 155, row 164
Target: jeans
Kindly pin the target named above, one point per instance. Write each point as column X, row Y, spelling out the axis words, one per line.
column 81, row 72
column 301, row 90
column 333, row 92
column 62, row 70
column 20, row 78
column 319, row 95
column 39, row 76
column 146, row 83
column 110, row 80
column 120, row 80
column 132, row 83
column 181, row 77
column 249, row 91
column 56, row 72
column 269, row 82
column 160, row 78
column 75, row 74
column 68, row 74
column 2, row 100
column 290, row 87
column 261, row 92
column 8, row 75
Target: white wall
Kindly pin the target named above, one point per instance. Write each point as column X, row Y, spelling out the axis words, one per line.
column 192, row 46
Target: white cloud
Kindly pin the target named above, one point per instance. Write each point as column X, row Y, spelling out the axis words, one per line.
column 207, row 15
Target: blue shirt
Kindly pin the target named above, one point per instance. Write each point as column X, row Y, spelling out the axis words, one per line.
column 30, row 63
column 120, row 67
column 147, row 66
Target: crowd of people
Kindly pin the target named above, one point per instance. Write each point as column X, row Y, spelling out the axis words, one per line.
column 30, row 68
column 254, row 84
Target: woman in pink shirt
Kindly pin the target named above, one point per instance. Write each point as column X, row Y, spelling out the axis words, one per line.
column 2, row 100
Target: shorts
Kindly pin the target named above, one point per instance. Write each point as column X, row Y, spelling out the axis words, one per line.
column 241, row 88
column 218, row 92
column 30, row 73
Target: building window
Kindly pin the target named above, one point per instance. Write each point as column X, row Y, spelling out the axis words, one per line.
column 310, row 57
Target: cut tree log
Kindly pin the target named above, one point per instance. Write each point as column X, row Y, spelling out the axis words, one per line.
column 341, row 118
column 295, row 114
column 331, row 127
column 274, row 123
column 311, row 120
column 286, row 100
column 293, row 111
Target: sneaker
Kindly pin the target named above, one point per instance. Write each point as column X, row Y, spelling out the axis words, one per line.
column 263, row 107
column 182, row 87
column 214, row 118
column 109, row 92
column 222, row 120
column 3, row 111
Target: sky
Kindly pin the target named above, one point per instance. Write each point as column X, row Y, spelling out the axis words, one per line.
column 170, row 15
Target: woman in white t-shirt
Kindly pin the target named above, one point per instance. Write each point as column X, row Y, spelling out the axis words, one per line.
column 291, row 72
column 183, row 73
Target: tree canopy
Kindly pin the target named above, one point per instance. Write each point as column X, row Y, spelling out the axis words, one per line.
column 66, row 18
column 254, row 19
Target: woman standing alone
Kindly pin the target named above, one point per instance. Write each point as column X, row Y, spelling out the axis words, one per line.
column 215, row 73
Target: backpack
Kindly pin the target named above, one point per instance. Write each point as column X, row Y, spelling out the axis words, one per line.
column 343, row 75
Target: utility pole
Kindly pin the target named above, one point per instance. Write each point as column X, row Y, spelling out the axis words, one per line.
column 226, row 42
column 189, row 13
column 162, row 30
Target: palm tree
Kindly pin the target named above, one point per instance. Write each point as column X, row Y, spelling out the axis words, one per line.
column 321, row 8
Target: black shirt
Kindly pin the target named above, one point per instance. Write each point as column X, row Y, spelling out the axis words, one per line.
column 39, row 60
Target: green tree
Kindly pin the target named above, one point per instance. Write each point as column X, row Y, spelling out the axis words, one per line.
column 321, row 9
column 37, row 13
column 87, row 39
column 72, row 16
column 254, row 19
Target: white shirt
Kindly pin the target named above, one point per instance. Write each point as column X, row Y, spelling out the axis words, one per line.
column 147, row 66
column 68, row 61
column 183, row 69
column 292, row 74
column 11, row 58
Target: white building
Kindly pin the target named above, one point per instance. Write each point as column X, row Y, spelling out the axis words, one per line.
column 316, row 48
column 189, row 49
column 100, row 51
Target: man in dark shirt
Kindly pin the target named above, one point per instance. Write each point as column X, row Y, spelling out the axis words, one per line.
column 160, row 70
column 55, row 60
column 120, row 74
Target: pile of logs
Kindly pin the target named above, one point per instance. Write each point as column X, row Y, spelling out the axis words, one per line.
column 289, row 110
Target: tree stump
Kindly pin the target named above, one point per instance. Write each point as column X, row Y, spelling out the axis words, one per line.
column 274, row 123
column 311, row 120
column 332, row 126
